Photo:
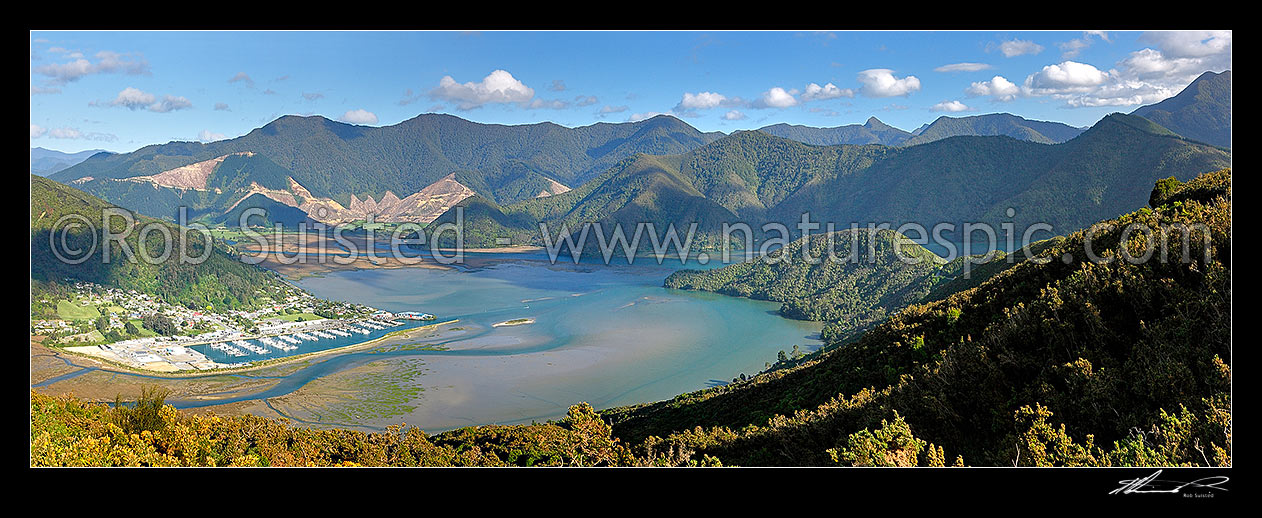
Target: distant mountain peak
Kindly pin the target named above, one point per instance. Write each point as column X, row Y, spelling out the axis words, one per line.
column 995, row 124
column 1201, row 112
column 876, row 124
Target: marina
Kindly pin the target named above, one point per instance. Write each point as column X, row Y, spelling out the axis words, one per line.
column 166, row 354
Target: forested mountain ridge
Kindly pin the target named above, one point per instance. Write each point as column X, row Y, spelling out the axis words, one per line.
column 1202, row 111
column 759, row 178
column 995, row 124
column 1060, row 360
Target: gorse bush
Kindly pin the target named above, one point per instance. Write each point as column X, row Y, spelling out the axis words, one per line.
column 144, row 415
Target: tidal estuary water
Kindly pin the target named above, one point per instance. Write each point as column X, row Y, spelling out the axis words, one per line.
column 607, row 335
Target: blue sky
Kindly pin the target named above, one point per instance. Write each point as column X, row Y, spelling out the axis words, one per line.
column 123, row 90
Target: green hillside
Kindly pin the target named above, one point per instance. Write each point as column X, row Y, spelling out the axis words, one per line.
column 219, row 281
column 995, row 124
column 1050, row 362
column 1201, row 112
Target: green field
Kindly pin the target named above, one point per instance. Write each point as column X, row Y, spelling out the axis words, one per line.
column 142, row 330
column 67, row 310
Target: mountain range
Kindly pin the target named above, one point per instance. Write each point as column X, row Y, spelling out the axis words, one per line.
column 754, row 177
column 336, row 162
column 45, row 162
column 876, row 132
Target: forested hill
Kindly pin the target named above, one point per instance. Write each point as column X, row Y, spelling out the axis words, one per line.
column 221, row 280
column 994, row 124
column 336, row 160
column 1059, row 360
column 869, row 276
column 754, row 177
column 1202, row 111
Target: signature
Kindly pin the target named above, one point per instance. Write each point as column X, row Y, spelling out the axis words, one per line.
column 1151, row 484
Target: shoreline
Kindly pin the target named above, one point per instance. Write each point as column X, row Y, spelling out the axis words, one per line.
column 111, row 366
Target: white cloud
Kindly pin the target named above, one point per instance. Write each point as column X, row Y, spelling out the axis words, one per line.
column 312, row 96
column 700, row 101
column 998, row 87
column 498, row 87
column 636, row 117
column 1120, row 93
column 816, row 92
column 557, row 85
column 222, row 107
column 136, row 99
column 170, row 103
column 242, row 77
column 1014, row 48
column 949, row 106
column 65, row 133
column 963, row 67
column 108, row 62
column 133, row 99
column 1190, row 44
column 585, row 100
column 210, row 136
column 1065, row 76
column 880, row 82
column 68, row 133
column 1072, row 47
column 35, row 90
column 554, row 104
column 360, row 116
column 606, row 110
column 776, row 98
column 733, row 115
column 1144, row 76
column 1104, row 35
